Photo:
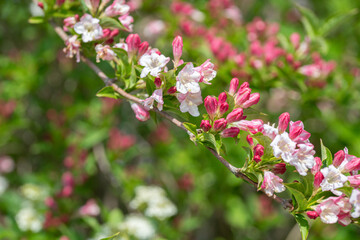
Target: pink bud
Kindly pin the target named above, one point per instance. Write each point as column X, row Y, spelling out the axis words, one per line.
column 279, row 168
column 143, row 47
column 41, row 5
column 242, row 96
column 133, row 41
column 177, row 49
column 284, row 120
column 114, row 33
column 318, row 164
column 258, row 152
column 235, row 116
column 253, row 126
column 318, row 178
column 244, row 85
column 253, row 99
column 338, row 158
column 158, row 82
column 172, row 90
column 67, row 191
column 250, row 140
column 106, row 32
column 223, row 108
column 352, row 165
column 222, row 97
column 205, row 125
column 295, row 40
column 220, row 124
column 354, row 181
column 312, row 214
column 234, row 84
column 211, row 105
column 230, row 132
column 140, row 113
column 295, row 132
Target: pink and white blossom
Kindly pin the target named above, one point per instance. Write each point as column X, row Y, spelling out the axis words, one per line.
column 272, row 183
column 253, row 126
column 270, row 131
column 283, row 147
column 118, row 7
column 153, row 63
column 206, row 71
column 355, row 201
column 104, row 53
column 188, row 79
column 90, row 209
column 140, row 112
column 189, row 102
column 72, row 48
column 127, row 20
column 335, row 209
column 333, row 179
column 121, row 45
column 303, row 158
column 89, row 28
column 156, row 96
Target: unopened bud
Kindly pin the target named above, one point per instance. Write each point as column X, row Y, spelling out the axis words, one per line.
column 220, row 124
column 157, row 82
column 279, row 168
column 242, row 96
column 318, row 178
column 106, row 33
column 211, row 105
column 312, row 214
column 353, row 165
column 133, row 42
column 284, row 120
column 143, row 47
column 235, row 116
column 244, row 85
column 223, row 108
column 172, row 90
column 250, row 140
column 338, row 158
column 318, row 164
column 177, row 49
column 234, row 84
column 41, row 5
column 295, row 40
column 253, row 99
column 114, row 33
column 68, row 179
column 222, row 97
column 230, row 132
column 258, row 152
column 140, row 113
column 205, row 125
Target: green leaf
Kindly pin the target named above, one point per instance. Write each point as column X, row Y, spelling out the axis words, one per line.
column 94, row 137
column 113, row 237
column 108, row 92
column 334, row 21
column 326, row 156
column 209, row 140
column 303, row 225
column 111, row 23
column 308, row 182
column 265, row 142
column 36, row 20
column 190, row 127
column 297, row 190
column 309, row 20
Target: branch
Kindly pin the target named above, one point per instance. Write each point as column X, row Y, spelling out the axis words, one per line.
column 108, row 82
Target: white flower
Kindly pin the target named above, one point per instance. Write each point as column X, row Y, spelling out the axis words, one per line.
column 104, row 52
column 3, row 185
column 156, row 96
column 188, row 80
column 329, row 211
column 118, row 7
column 303, row 158
column 89, row 28
column 355, row 201
column 190, row 102
column 283, row 147
column 333, row 179
column 152, row 63
column 121, row 45
column 28, row 219
column 161, row 208
column 33, row 192
column 270, row 130
column 138, row 227
column 272, row 183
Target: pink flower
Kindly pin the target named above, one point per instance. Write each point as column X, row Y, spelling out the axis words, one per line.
column 335, row 209
column 272, row 183
column 69, row 22
column 127, row 20
column 211, row 105
column 6, row 164
column 230, row 132
column 297, row 132
column 339, row 157
column 140, row 113
column 188, row 80
column 90, row 209
column 118, row 7
column 258, row 152
column 189, row 102
column 133, row 43
column 235, row 116
column 284, row 120
column 156, row 96
column 220, row 124
column 104, row 52
column 233, row 86
column 253, row 126
column 72, row 48
column 205, row 125
column 206, row 71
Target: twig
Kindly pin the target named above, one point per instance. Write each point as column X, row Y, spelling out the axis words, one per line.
column 108, row 82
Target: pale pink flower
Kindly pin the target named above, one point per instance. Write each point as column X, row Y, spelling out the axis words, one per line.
column 72, row 48
column 270, row 131
column 118, row 7
column 154, row 28
column 335, row 209
column 127, row 20
column 69, row 22
column 104, row 53
column 156, row 96
column 140, row 112
column 90, row 209
column 121, row 45
column 303, row 158
column 297, row 132
column 206, row 71
column 283, row 147
column 272, row 183
column 153, row 63
column 190, row 102
column 188, row 79
column 355, row 201
column 89, row 28
column 333, row 179
column 253, row 126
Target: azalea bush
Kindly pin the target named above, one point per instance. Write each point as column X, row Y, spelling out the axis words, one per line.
column 204, row 122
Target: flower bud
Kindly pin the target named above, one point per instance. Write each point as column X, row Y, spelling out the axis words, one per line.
column 354, row 181
column 211, row 105
column 318, row 164
column 295, row 40
column 253, row 126
column 41, row 5
column 230, row 132
column 220, row 124
column 234, row 84
column 250, row 140
column 235, row 116
column 244, row 85
column 258, row 152
column 177, row 49
column 295, row 132
column 140, row 113
column 172, row 90
column 106, row 32
column 338, row 158
column 318, row 178
column 143, row 47
column 352, row 165
column 222, row 97
column 157, row 82
column 279, row 168
column 67, row 179
column 253, row 99
column 284, row 120
column 133, row 41
column 114, row 33
column 242, row 96
column 312, row 214
column 205, row 125
column 223, row 108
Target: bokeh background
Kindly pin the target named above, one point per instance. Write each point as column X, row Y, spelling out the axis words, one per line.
column 55, row 133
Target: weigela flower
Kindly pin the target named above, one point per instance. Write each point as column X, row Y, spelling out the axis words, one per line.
column 90, row 209
column 335, row 209
column 127, row 21
column 153, row 63
column 140, row 112
column 333, row 179
column 303, row 158
column 69, row 22
column 283, row 147
column 188, row 79
column 297, row 132
column 206, row 71
column 189, row 102
column 89, row 28
column 272, row 183
column 72, row 48
column 230, row 132
column 156, row 96
column 270, row 131
column 118, row 7
column 253, row 126
column 104, row 52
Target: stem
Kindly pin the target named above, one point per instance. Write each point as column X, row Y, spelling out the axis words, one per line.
column 108, row 82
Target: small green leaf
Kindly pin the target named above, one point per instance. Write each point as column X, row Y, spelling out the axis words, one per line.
column 108, row 92
column 210, row 141
column 297, row 190
column 265, row 142
column 308, row 182
column 113, row 237
column 36, row 20
column 190, row 127
column 111, row 23
column 326, row 155
column 309, row 20
column 334, row 21
column 303, row 225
